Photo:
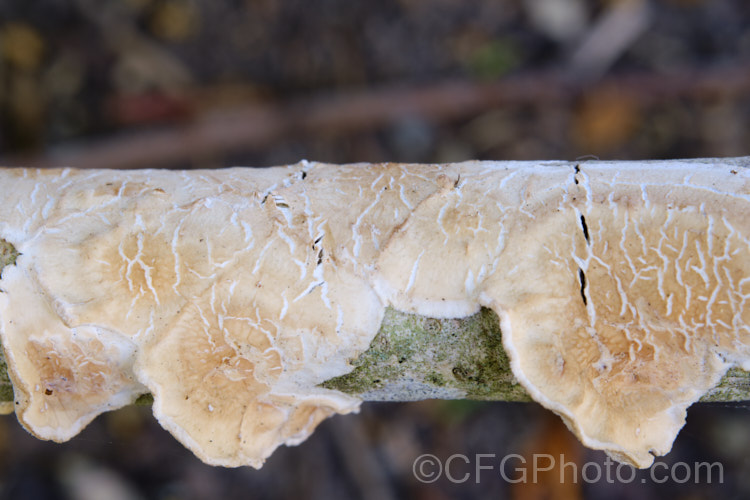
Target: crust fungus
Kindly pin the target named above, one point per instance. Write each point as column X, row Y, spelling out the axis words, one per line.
column 232, row 295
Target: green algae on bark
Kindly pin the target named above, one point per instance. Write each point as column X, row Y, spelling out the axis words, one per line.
column 8, row 255
column 414, row 357
column 734, row 386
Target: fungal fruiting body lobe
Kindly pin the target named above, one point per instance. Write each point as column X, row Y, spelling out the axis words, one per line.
column 231, row 295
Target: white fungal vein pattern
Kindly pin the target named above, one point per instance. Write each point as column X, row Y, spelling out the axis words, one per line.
column 232, row 294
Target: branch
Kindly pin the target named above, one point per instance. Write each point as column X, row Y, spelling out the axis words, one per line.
column 255, row 125
column 612, row 293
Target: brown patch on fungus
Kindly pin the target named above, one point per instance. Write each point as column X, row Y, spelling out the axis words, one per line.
column 213, row 380
column 63, row 377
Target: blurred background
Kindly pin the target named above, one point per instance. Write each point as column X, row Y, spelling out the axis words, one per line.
column 190, row 84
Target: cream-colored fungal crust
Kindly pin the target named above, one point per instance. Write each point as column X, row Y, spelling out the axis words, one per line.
column 232, row 294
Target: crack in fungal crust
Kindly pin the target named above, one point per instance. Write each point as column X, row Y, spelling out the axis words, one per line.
column 243, row 300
